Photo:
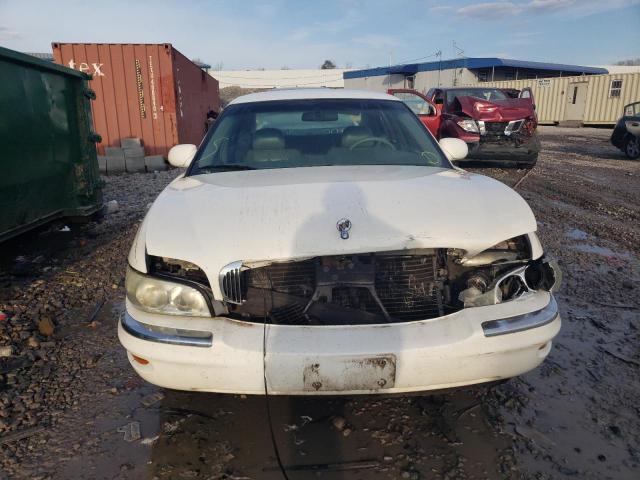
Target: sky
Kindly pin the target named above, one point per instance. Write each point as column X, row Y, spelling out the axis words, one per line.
column 251, row 34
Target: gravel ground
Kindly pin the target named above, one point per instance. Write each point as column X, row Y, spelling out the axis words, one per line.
column 69, row 401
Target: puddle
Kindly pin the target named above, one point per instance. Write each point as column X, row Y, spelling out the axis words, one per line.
column 598, row 250
column 577, row 234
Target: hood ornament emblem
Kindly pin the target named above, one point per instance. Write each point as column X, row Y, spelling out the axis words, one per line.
column 343, row 226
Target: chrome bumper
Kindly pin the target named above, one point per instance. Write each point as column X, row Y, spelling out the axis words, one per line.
column 523, row 322
column 172, row 336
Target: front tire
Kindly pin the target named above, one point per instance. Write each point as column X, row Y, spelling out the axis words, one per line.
column 632, row 148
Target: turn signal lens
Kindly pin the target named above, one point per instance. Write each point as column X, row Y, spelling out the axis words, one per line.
column 140, row 360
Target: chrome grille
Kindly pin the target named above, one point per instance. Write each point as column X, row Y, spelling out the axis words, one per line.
column 231, row 283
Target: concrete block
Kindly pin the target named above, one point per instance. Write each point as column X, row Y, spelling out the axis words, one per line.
column 114, row 152
column 134, row 164
column 102, row 164
column 134, row 152
column 155, row 162
column 115, row 165
column 130, row 142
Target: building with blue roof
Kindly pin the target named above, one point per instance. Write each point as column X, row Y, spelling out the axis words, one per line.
column 458, row 72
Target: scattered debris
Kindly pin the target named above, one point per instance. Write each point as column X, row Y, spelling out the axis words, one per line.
column 131, row 431
column 152, row 398
column 111, row 206
column 149, row 440
column 527, row 173
column 46, row 326
column 6, row 351
column 339, row 423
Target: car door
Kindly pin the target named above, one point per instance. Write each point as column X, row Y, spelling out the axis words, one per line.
column 528, row 94
column 423, row 108
column 632, row 111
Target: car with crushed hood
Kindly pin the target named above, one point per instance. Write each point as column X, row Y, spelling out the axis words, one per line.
column 496, row 124
column 320, row 242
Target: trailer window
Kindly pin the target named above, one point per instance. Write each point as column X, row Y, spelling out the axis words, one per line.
column 615, row 88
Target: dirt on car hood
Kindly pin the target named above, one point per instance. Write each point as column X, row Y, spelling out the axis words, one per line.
column 214, row 219
column 496, row 110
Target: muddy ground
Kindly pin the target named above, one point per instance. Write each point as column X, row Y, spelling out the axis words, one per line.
column 69, row 401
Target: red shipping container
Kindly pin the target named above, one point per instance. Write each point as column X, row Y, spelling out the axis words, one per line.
column 148, row 91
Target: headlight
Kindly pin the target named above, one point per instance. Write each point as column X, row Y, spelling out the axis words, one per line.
column 468, row 125
column 514, row 249
column 157, row 295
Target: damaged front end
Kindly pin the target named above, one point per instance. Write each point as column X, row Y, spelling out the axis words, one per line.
column 501, row 130
column 383, row 287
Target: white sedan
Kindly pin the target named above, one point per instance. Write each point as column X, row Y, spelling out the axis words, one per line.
column 321, row 242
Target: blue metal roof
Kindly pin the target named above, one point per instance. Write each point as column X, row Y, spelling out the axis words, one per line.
column 473, row 63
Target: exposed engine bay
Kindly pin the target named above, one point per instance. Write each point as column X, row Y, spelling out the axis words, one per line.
column 372, row 288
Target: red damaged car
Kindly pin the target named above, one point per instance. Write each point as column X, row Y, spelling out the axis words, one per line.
column 497, row 124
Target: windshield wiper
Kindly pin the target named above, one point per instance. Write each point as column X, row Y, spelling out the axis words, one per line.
column 226, row 167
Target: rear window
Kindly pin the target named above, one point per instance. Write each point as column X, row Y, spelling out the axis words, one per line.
column 324, row 132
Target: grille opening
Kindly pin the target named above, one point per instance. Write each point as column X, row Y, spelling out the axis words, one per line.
column 343, row 290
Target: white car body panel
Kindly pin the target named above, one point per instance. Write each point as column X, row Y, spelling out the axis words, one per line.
column 430, row 354
column 292, row 213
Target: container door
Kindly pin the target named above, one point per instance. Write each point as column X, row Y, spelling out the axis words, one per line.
column 576, row 101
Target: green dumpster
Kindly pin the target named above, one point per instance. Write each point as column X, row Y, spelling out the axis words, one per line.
column 48, row 162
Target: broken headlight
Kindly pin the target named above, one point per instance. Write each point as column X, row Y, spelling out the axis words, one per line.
column 468, row 125
column 156, row 295
column 496, row 274
column 512, row 250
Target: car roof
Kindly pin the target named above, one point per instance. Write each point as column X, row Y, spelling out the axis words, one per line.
column 311, row 94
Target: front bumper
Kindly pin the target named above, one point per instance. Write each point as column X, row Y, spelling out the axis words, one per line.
column 501, row 147
column 474, row 345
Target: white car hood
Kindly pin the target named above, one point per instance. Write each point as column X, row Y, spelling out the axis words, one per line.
column 215, row 219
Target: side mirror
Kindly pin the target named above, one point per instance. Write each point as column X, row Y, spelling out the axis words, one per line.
column 181, row 155
column 454, row 148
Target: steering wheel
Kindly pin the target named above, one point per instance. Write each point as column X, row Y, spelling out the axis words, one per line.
column 380, row 140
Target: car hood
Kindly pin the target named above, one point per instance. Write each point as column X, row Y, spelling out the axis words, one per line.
column 497, row 110
column 215, row 219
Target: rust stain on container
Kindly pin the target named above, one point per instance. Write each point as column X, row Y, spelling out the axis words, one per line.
column 148, row 91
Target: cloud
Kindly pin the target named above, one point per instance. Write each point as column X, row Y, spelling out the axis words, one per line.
column 300, row 34
column 377, row 41
column 441, row 8
column 551, row 5
column 8, row 34
column 577, row 8
column 491, row 10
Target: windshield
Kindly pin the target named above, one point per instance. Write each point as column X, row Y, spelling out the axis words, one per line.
column 489, row 94
column 307, row 133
